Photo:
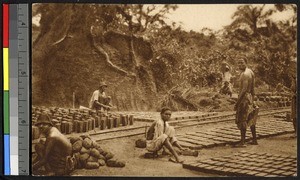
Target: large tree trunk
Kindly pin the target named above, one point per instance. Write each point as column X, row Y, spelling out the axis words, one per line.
column 67, row 57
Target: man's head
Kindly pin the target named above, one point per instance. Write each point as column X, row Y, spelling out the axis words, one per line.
column 44, row 123
column 242, row 63
column 165, row 113
column 227, row 68
column 102, row 86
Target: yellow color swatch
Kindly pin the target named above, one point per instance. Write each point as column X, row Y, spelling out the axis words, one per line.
column 5, row 70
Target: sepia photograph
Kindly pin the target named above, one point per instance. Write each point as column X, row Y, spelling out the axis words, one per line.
column 164, row 90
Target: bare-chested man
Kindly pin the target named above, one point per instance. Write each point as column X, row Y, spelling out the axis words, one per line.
column 55, row 154
column 246, row 111
column 161, row 134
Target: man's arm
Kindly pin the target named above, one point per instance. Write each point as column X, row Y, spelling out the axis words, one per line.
column 93, row 99
column 100, row 104
column 150, row 132
column 96, row 101
column 252, row 78
column 48, row 148
column 245, row 83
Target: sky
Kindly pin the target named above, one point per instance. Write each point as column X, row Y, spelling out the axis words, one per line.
column 195, row 17
column 213, row 16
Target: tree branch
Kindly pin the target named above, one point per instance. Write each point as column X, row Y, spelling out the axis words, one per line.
column 66, row 34
column 102, row 51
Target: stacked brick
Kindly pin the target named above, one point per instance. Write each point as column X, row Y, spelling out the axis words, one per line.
column 69, row 121
column 89, row 155
column 281, row 99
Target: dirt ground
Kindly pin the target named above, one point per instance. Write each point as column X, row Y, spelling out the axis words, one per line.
column 136, row 165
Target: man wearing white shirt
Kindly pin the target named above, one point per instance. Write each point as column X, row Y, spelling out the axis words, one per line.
column 99, row 100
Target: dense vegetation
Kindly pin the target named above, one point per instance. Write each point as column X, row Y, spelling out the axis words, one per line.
column 176, row 58
column 269, row 47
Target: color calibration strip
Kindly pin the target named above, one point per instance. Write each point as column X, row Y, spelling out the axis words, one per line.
column 13, row 88
column 16, row 89
column 6, row 123
column 23, row 74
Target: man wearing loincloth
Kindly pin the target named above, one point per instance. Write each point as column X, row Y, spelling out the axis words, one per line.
column 246, row 111
column 161, row 134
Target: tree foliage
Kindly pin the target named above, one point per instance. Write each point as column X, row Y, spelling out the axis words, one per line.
column 191, row 57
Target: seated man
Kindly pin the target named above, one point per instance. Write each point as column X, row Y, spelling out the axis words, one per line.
column 99, row 100
column 55, row 153
column 226, row 89
column 160, row 135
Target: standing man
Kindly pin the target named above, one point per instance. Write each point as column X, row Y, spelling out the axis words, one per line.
column 246, row 111
column 55, row 154
column 226, row 75
column 99, row 100
column 226, row 78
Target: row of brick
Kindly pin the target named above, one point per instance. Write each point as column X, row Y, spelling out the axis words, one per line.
column 128, row 131
column 184, row 117
column 221, row 118
column 273, row 98
column 230, row 134
column 246, row 163
column 283, row 94
column 78, row 121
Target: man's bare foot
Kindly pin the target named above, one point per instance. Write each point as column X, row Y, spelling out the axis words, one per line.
column 184, row 149
column 176, row 161
column 253, row 143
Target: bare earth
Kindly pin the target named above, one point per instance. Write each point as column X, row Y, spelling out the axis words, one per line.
column 136, row 165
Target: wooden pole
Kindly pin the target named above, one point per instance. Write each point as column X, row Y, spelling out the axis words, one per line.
column 146, row 128
column 73, row 100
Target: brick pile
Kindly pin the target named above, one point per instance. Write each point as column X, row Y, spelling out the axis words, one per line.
column 90, row 155
column 282, row 99
column 69, row 121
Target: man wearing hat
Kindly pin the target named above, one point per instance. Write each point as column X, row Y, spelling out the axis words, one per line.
column 99, row 100
column 55, row 153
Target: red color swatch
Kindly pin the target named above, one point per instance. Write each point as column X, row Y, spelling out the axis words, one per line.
column 5, row 25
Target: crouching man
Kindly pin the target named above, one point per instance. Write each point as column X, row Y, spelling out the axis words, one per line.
column 160, row 135
column 226, row 89
column 55, row 154
column 99, row 100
